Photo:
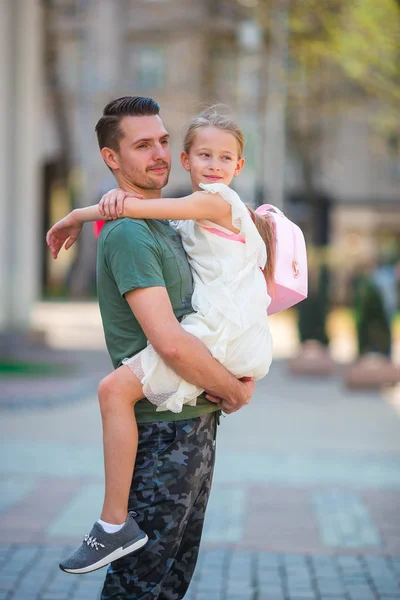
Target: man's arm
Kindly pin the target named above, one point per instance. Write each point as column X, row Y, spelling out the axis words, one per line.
column 184, row 353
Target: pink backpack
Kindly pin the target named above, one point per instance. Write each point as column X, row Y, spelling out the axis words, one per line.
column 291, row 261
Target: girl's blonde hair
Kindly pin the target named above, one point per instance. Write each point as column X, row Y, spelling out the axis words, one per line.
column 264, row 224
column 266, row 228
column 210, row 117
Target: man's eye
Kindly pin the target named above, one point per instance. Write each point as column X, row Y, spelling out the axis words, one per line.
column 165, row 142
column 142, row 146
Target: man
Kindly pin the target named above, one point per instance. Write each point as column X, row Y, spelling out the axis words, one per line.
column 144, row 289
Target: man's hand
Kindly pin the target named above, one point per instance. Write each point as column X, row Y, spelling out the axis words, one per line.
column 63, row 232
column 246, row 391
column 111, row 204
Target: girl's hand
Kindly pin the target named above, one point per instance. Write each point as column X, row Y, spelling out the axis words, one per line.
column 63, row 232
column 112, row 204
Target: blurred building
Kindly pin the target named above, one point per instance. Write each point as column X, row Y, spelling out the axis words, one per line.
column 361, row 172
column 63, row 60
column 181, row 52
column 187, row 53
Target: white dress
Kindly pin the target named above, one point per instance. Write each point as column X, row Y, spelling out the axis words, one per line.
column 230, row 299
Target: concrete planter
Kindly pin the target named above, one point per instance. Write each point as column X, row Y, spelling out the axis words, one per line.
column 312, row 359
column 372, row 371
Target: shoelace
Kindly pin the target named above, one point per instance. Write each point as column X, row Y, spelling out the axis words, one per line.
column 92, row 541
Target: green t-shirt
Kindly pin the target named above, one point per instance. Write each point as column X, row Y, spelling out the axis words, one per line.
column 134, row 254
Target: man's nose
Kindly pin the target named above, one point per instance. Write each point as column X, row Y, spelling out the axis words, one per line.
column 160, row 151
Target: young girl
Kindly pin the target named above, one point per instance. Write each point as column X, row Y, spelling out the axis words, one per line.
column 226, row 245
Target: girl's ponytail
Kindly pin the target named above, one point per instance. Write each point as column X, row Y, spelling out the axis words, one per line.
column 266, row 228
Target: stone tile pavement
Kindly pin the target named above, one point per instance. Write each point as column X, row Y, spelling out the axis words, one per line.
column 305, row 502
column 28, row 573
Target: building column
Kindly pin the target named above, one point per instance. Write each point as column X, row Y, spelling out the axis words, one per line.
column 23, row 158
column 5, row 99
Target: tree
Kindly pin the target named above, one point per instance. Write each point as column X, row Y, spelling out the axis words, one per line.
column 372, row 323
column 338, row 53
column 367, row 49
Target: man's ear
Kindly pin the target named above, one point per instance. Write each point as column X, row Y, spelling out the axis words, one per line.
column 110, row 157
column 185, row 161
column 239, row 166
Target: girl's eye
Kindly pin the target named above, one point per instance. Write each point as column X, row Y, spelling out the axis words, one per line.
column 204, row 154
column 226, row 158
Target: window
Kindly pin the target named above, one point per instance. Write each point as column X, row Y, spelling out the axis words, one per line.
column 151, row 68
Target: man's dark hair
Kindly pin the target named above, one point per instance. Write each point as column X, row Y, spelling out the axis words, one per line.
column 108, row 129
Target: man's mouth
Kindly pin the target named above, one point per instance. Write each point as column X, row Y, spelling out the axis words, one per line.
column 158, row 169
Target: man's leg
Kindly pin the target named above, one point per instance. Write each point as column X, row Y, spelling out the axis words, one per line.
column 173, row 461
column 180, row 575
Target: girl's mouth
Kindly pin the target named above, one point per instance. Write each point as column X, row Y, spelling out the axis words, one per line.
column 213, row 177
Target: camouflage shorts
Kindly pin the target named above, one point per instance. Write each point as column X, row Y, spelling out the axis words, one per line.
column 169, row 492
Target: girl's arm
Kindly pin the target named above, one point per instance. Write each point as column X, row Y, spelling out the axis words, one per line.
column 199, row 205
column 66, row 231
column 89, row 213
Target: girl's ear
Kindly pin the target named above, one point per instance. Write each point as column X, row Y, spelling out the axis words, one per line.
column 239, row 166
column 110, row 158
column 185, row 161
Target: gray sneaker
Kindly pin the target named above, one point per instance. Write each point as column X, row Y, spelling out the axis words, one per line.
column 99, row 548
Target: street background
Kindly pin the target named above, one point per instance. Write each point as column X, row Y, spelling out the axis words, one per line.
column 306, row 497
column 306, row 494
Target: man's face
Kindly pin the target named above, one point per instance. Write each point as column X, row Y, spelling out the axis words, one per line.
column 144, row 157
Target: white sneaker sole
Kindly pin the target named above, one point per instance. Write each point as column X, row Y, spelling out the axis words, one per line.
column 119, row 553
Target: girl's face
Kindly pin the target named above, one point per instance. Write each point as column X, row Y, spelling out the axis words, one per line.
column 213, row 157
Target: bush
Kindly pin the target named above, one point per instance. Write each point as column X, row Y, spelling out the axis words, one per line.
column 313, row 312
column 372, row 323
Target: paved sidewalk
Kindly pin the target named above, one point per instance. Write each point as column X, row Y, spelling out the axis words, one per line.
column 305, row 502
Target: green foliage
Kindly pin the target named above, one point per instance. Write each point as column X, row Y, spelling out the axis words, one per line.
column 367, row 44
column 372, row 325
column 362, row 37
column 367, row 49
column 332, row 42
column 313, row 311
column 342, row 54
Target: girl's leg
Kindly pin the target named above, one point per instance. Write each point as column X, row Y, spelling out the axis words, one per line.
column 118, row 393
